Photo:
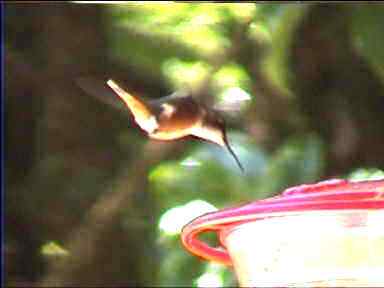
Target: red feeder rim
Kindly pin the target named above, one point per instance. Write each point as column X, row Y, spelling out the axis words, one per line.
column 335, row 194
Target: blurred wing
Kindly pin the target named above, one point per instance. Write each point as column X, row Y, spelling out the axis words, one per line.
column 229, row 110
column 101, row 91
column 233, row 100
column 169, row 98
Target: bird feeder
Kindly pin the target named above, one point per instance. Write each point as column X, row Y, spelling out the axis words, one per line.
column 322, row 235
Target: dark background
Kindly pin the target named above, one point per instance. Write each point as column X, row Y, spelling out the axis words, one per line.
column 86, row 189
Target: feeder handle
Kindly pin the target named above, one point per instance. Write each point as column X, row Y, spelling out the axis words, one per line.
column 189, row 239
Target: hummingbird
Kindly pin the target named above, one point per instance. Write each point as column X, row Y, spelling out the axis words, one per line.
column 175, row 116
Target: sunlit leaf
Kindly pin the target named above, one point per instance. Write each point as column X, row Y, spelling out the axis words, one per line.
column 190, row 162
column 183, row 73
column 210, row 280
column 242, row 11
column 259, row 33
column 53, row 249
column 366, row 174
column 173, row 220
column 231, row 75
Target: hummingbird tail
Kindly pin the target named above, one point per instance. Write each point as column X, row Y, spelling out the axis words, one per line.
column 233, row 153
column 137, row 107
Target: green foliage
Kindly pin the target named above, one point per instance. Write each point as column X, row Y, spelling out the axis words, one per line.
column 299, row 160
column 282, row 20
column 184, row 45
column 185, row 73
column 366, row 174
column 216, row 182
column 53, row 249
column 231, row 75
column 180, row 42
column 367, row 24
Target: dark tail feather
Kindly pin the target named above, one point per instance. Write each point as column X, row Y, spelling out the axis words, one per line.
column 233, row 153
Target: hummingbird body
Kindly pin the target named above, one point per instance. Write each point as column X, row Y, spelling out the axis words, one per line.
column 183, row 116
column 174, row 117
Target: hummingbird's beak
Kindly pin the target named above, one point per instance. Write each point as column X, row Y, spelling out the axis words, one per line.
column 232, row 153
column 217, row 136
column 142, row 114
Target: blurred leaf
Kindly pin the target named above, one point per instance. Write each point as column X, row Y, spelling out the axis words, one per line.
column 175, row 183
column 282, row 22
column 186, row 44
column 259, row 32
column 232, row 75
column 177, row 267
column 268, row 12
column 174, row 219
column 240, row 11
column 299, row 160
column 366, row 174
column 185, row 73
column 367, row 24
column 53, row 249
column 148, row 51
column 187, row 31
column 209, row 280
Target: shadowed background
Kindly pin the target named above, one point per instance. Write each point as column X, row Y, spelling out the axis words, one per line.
column 91, row 201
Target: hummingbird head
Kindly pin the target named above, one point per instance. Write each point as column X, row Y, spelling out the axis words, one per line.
column 213, row 128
